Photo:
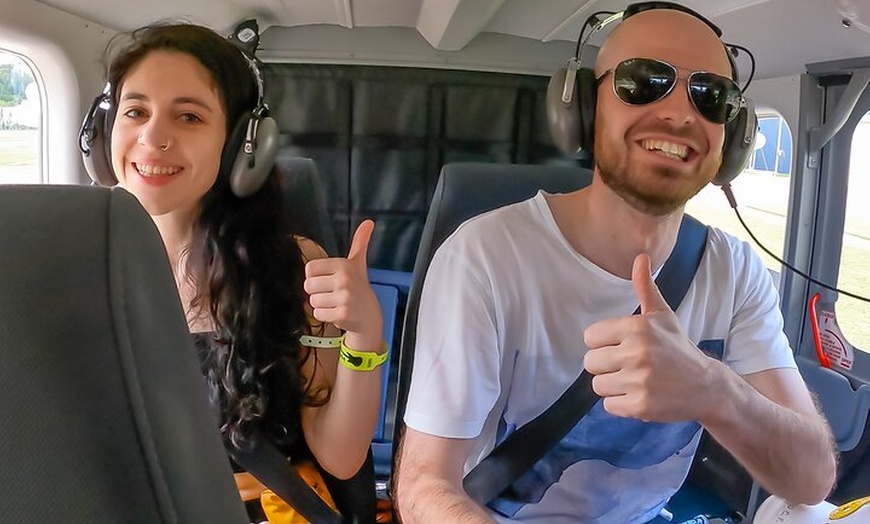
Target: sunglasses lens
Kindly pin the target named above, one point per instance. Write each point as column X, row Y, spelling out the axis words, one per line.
column 641, row 81
column 717, row 98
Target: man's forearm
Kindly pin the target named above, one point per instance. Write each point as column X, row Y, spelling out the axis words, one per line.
column 790, row 454
column 438, row 502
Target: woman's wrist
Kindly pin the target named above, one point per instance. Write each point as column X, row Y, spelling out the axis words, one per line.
column 371, row 342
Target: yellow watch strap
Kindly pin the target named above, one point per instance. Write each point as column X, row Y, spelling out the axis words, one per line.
column 361, row 360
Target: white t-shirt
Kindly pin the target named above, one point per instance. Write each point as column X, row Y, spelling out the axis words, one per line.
column 500, row 337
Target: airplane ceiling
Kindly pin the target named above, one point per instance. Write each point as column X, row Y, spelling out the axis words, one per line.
column 785, row 35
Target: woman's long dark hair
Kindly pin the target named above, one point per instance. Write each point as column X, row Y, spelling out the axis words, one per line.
column 246, row 269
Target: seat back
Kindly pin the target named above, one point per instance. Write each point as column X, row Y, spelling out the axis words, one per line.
column 465, row 190
column 388, row 299
column 305, row 200
column 848, row 411
column 104, row 415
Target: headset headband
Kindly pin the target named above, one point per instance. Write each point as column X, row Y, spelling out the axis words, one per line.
column 88, row 132
column 631, row 10
column 575, row 61
column 640, row 7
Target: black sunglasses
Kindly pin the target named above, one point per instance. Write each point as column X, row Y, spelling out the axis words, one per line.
column 641, row 81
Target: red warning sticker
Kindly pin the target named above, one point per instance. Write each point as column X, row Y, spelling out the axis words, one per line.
column 834, row 344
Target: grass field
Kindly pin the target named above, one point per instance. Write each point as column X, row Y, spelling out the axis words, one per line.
column 18, row 147
column 19, row 156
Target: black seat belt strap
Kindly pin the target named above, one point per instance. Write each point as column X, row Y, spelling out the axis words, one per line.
column 523, row 448
column 266, row 462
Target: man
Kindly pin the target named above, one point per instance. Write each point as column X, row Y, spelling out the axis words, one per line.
column 518, row 301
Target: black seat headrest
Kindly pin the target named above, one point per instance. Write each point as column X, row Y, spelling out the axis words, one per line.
column 305, row 200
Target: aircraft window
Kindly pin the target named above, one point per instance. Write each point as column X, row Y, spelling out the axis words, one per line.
column 761, row 191
column 854, row 275
column 20, row 117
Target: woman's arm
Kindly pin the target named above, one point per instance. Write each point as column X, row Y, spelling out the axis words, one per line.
column 340, row 432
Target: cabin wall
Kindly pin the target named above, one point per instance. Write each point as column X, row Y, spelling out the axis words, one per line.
column 781, row 95
column 65, row 50
column 379, row 136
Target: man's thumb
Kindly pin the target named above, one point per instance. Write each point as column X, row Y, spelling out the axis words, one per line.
column 645, row 288
column 360, row 244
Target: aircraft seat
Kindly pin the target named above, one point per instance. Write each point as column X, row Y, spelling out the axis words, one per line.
column 305, row 200
column 388, row 299
column 104, row 414
column 465, row 190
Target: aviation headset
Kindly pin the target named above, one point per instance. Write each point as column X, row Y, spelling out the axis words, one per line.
column 572, row 96
column 250, row 148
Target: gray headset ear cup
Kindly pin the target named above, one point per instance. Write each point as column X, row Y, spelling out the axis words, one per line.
column 572, row 125
column 97, row 156
column 563, row 119
column 738, row 145
column 251, row 170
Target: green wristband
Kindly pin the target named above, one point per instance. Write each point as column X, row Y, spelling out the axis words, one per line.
column 361, row 360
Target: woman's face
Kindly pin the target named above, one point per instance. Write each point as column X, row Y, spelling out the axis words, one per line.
column 169, row 132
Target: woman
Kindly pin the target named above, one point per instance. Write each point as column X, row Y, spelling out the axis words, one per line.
column 260, row 300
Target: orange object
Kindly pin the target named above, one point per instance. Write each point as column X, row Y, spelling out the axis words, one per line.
column 279, row 512
column 817, row 338
column 385, row 512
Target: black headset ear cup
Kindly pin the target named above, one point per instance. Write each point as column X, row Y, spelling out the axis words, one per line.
column 572, row 124
column 95, row 142
column 255, row 140
column 738, row 145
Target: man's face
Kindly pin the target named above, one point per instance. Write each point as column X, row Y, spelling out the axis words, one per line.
column 659, row 155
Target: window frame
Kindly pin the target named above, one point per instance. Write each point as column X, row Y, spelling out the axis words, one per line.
column 814, row 238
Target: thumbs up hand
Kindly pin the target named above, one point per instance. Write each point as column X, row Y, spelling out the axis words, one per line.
column 648, row 294
column 645, row 367
column 339, row 292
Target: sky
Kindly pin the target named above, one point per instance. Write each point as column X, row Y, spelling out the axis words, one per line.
column 8, row 58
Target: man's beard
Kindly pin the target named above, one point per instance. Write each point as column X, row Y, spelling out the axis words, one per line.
column 624, row 179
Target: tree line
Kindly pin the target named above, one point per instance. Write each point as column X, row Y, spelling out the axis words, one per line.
column 14, row 80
